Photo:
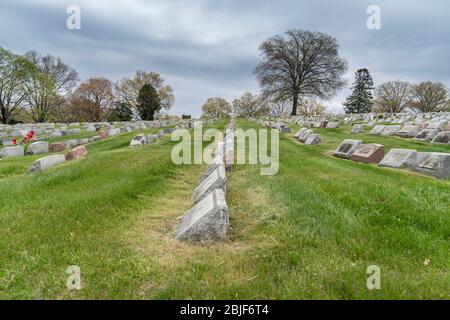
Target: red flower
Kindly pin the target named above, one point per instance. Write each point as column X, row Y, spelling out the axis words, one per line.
column 14, row 141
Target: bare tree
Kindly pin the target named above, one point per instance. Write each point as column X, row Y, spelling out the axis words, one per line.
column 311, row 107
column 48, row 87
column 127, row 90
column 300, row 64
column 393, row 96
column 429, row 97
column 279, row 108
column 93, row 100
column 216, row 108
column 249, row 105
column 14, row 74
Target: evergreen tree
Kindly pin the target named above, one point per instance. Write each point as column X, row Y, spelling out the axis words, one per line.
column 148, row 102
column 361, row 99
column 122, row 112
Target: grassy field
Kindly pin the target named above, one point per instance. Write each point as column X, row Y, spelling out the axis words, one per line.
column 309, row 232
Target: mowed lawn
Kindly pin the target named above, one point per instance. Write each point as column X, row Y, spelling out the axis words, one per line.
column 309, row 232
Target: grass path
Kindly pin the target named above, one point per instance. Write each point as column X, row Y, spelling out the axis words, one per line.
column 309, row 232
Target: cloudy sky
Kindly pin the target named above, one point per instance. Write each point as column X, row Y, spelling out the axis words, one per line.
column 207, row 48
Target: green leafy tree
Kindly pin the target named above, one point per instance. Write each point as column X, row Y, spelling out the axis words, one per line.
column 121, row 112
column 14, row 74
column 361, row 99
column 149, row 102
column 49, row 87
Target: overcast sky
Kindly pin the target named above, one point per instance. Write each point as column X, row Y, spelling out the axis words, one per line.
column 209, row 48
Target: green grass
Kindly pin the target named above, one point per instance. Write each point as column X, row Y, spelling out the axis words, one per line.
column 309, row 232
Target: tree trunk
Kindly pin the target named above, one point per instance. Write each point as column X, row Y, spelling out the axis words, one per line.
column 294, row 106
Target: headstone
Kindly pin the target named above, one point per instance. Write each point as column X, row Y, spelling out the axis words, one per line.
column 216, row 162
column 434, row 164
column 38, row 147
column 83, row 141
column 369, row 153
column 138, row 141
column 113, row 132
column 58, row 146
column 216, row 180
column 442, row 138
column 12, row 152
column 150, row 138
column 313, row 139
column 347, row 148
column 439, row 125
column 304, row 136
column 208, row 220
column 409, row 131
column 46, row 163
column 400, row 158
column 390, row 130
column 104, row 135
column 95, row 138
column 71, row 143
column 77, row 153
column 358, row 128
column 426, row 134
column 7, row 142
column 299, row 132
column 377, row 130
column 332, row 125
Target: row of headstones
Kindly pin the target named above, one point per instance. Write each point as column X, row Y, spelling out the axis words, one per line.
column 436, row 132
column 143, row 139
column 80, row 152
column 333, row 121
column 42, row 147
column 308, row 137
column 435, row 164
column 50, row 130
column 208, row 220
column 277, row 125
column 49, row 162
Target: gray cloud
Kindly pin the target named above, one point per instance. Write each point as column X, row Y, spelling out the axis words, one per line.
column 209, row 48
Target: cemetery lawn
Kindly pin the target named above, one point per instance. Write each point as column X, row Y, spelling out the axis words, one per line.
column 309, row 232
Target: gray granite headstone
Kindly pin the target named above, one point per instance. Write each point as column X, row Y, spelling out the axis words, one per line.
column 400, row 158
column 434, row 164
column 12, row 152
column 347, row 148
column 208, row 220
column 38, row 147
column 46, row 163
column 216, row 180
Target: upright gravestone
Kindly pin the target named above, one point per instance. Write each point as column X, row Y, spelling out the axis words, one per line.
column 369, row 153
column 208, row 220
column 400, row 158
column 347, row 148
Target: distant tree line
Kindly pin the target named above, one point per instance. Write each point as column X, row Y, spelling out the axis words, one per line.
column 40, row 88
column 301, row 68
column 395, row 96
